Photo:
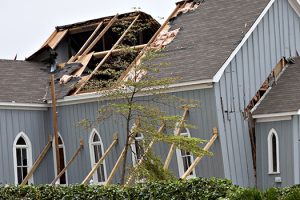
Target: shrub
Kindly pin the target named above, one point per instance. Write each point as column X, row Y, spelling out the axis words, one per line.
column 199, row 188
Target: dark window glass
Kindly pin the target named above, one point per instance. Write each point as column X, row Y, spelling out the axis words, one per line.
column 274, row 153
column 21, row 141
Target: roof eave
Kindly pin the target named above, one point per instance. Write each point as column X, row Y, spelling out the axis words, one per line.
column 280, row 114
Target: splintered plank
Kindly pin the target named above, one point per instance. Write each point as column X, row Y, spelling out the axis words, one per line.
column 107, row 55
column 84, row 60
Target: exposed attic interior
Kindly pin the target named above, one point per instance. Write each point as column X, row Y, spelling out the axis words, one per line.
column 94, row 55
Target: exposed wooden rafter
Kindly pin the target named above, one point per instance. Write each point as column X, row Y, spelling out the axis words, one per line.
column 107, row 55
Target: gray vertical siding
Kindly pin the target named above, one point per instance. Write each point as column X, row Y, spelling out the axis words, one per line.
column 204, row 118
column 285, row 134
column 32, row 124
column 277, row 35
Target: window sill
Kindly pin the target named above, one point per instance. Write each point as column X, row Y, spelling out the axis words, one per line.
column 273, row 173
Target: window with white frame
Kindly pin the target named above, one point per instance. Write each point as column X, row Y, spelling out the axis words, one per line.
column 96, row 151
column 137, row 148
column 185, row 158
column 22, row 157
column 273, row 152
column 62, row 160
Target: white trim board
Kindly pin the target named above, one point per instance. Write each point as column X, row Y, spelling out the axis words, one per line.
column 22, row 106
column 270, row 152
column 282, row 114
column 29, row 155
column 274, row 119
column 94, row 97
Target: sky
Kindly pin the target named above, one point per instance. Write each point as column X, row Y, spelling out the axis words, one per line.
column 26, row 24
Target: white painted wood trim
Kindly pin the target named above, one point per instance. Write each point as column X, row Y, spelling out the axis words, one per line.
column 29, row 155
column 95, row 96
column 22, row 106
column 179, row 157
column 295, row 4
column 219, row 74
column 274, row 119
column 92, row 156
column 270, row 152
column 54, row 157
column 282, row 114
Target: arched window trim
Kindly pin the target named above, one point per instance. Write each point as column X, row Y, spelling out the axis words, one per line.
column 179, row 155
column 270, row 152
column 29, row 155
column 92, row 155
column 54, row 156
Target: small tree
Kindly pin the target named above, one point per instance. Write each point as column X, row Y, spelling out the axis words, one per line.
column 144, row 115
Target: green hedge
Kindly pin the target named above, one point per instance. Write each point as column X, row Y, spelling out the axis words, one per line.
column 288, row 193
column 199, row 188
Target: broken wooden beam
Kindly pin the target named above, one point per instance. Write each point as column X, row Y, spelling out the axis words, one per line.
column 37, row 162
column 69, row 162
column 100, row 161
column 198, row 159
column 54, row 118
column 107, row 55
column 102, row 54
column 137, row 59
column 177, row 132
column 85, row 45
column 102, row 33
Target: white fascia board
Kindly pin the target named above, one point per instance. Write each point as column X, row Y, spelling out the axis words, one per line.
column 219, row 74
column 295, row 4
column 22, row 106
column 95, row 96
column 282, row 114
column 274, row 119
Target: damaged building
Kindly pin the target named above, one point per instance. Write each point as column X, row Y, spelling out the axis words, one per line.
column 238, row 58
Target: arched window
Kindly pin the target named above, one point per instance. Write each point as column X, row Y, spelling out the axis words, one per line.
column 137, row 148
column 185, row 158
column 96, row 152
column 22, row 157
column 273, row 152
column 62, row 159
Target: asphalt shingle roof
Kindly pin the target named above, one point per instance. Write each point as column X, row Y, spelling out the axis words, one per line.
column 285, row 95
column 207, row 37
column 23, row 81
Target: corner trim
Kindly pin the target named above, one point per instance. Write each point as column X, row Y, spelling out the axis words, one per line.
column 219, row 74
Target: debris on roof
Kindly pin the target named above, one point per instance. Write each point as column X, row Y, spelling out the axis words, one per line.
column 284, row 95
column 92, row 55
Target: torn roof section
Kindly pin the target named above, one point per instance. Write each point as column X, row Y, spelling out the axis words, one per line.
column 285, row 94
column 196, row 40
column 23, row 81
column 99, row 46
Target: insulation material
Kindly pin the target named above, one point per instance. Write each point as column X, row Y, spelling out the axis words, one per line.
column 64, row 79
column 165, row 38
column 189, row 7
